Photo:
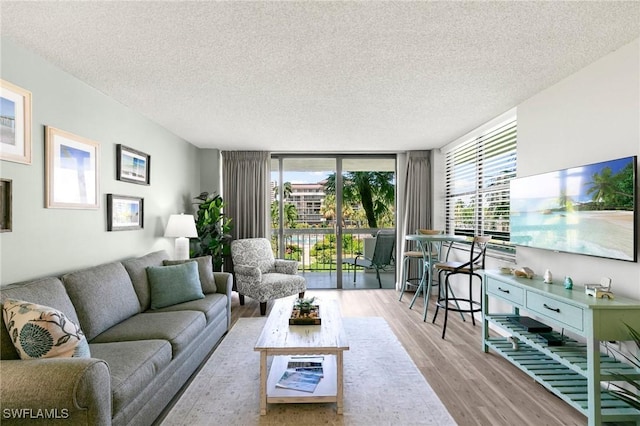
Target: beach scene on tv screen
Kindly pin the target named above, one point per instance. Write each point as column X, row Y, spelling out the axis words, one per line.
column 586, row 210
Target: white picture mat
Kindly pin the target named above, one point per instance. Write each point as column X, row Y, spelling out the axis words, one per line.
column 72, row 175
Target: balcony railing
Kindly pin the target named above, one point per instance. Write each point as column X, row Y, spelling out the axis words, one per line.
column 315, row 248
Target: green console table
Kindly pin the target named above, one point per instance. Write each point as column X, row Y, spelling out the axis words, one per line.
column 575, row 370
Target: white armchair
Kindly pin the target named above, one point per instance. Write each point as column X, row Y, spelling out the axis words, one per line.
column 260, row 276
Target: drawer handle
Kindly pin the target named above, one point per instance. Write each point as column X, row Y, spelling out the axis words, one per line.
column 550, row 308
column 503, row 290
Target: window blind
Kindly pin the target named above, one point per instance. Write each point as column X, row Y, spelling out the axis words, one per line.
column 477, row 179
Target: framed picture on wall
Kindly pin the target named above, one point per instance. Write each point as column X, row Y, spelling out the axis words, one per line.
column 15, row 123
column 124, row 213
column 72, row 175
column 5, row 205
column 132, row 165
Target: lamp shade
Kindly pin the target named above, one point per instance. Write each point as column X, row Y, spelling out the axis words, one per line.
column 181, row 225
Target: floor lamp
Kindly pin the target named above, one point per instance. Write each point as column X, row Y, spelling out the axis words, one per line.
column 182, row 227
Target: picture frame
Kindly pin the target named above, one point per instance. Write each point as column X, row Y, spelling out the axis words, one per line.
column 72, row 170
column 124, row 213
column 6, row 205
column 15, row 123
column 133, row 166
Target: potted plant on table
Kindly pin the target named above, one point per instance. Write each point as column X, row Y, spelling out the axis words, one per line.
column 305, row 305
column 213, row 230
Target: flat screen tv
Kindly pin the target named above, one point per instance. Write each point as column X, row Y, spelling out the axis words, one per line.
column 588, row 210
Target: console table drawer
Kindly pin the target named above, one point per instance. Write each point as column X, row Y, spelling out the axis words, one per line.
column 561, row 312
column 505, row 291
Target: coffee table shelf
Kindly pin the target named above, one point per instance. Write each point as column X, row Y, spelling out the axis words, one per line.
column 326, row 391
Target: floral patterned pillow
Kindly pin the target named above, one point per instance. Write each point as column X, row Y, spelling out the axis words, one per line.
column 41, row 332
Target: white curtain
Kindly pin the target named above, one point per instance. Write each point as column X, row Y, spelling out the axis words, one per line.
column 246, row 189
column 417, row 202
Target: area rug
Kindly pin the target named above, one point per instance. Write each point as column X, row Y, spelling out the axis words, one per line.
column 382, row 385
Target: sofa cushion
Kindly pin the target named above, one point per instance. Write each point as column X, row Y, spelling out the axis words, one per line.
column 38, row 331
column 132, row 365
column 174, row 284
column 137, row 269
column 211, row 306
column 103, row 296
column 46, row 291
column 180, row 328
column 205, row 271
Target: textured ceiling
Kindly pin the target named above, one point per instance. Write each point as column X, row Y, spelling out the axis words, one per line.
column 321, row 76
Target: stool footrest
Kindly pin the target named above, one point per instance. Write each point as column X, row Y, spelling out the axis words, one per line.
column 471, row 309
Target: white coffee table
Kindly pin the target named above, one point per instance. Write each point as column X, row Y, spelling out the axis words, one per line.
column 281, row 340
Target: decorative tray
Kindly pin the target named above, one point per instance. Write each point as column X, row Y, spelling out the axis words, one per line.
column 311, row 318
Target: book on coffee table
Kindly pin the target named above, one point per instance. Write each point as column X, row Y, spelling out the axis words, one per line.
column 298, row 380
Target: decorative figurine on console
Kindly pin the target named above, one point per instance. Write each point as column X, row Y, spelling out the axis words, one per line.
column 568, row 282
column 548, row 277
column 600, row 291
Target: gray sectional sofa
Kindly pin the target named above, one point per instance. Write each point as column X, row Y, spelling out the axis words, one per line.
column 140, row 358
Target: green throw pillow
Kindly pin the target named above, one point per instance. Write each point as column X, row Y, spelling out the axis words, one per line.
column 39, row 331
column 174, row 284
column 205, row 271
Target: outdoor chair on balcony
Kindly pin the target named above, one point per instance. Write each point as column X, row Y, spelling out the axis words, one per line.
column 382, row 255
column 260, row 276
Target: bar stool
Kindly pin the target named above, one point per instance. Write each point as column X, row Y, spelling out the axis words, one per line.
column 470, row 268
column 420, row 257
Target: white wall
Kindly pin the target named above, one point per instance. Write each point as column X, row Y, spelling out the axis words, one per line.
column 591, row 116
column 53, row 241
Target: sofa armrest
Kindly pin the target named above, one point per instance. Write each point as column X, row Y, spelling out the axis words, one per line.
column 224, row 282
column 224, row 285
column 73, row 390
column 286, row 266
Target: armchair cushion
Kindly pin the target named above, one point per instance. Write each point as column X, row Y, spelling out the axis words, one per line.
column 277, row 285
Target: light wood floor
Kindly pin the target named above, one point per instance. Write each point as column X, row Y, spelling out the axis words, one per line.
column 477, row 388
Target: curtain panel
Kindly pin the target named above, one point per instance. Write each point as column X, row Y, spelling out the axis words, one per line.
column 417, row 200
column 246, row 189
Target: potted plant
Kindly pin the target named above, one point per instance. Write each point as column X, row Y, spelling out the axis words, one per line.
column 630, row 393
column 304, row 305
column 213, row 230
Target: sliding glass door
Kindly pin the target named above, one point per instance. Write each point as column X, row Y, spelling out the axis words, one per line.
column 320, row 200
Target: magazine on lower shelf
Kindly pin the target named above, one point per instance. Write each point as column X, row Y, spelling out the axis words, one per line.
column 306, row 364
column 300, row 381
column 302, row 374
